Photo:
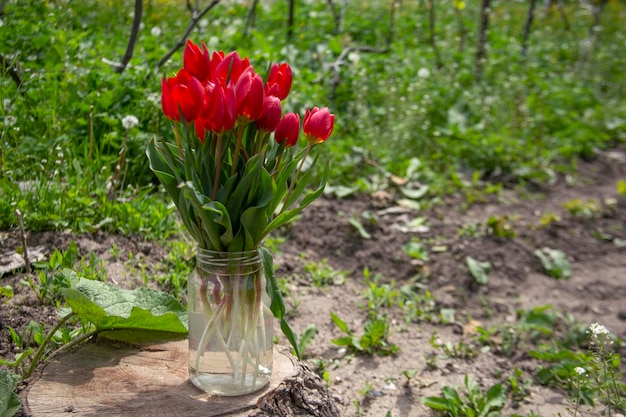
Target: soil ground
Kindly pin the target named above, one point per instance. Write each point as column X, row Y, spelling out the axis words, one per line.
column 595, row 245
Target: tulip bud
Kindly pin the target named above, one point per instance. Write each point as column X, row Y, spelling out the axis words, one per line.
column 182, row 93
column 272, row 110
column 288, row 130
column 318, row 125
column 250, row 95
column 230, row 68
column 279, row 81
column 220, row 112
column 196, row 61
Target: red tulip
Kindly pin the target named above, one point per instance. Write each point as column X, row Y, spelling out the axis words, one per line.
column 288, row 130
column 216, row 59
column 272, row 110
column 182, row 93
column 196, row 61
column 318, row 124
column 250, row 95
column 230, row 68
column 220, row 111
column 279, row 81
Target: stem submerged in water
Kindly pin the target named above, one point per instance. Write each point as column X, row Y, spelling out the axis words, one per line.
column 234, row 324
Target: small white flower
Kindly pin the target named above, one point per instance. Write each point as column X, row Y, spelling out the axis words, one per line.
column 155, row 31
column 423, row 73
column 597, row 329
column 10, row 120
column 129, row 121
column 154, row 98
column 580, row 371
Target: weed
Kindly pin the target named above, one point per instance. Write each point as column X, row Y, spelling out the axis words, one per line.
column 460, row 350
column 306, row 338
column 322, row 274
column 473, row 402
column 372, row 341
column 582, row 208
column 357, row 221
column 501, row 226
column 554, row 262
column 519, row 385
column 409, row 374
column 415, row 249
column 548, row 218
column 479, row 270
column 379, row 295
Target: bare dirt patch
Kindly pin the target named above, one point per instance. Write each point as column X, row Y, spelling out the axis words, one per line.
column 596, row 291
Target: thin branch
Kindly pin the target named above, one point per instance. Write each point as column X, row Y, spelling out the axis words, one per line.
column 481, row 51
column 597, row 11
column 529, row 22
column 290, row 21
column 10, row 68
column 251, row 17
column 2, row 7
column 336, row 16
column 336, row 65
column 433, row 36
column 133, row 37
column 181, row 42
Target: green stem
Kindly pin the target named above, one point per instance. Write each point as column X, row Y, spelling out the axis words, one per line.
column 43, row 346
column 238, row 145
column 218, row 167
column 295, row 177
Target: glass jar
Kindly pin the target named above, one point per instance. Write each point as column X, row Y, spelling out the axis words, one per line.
column 230, row 323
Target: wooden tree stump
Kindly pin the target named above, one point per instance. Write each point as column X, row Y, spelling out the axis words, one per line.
column 103, row 379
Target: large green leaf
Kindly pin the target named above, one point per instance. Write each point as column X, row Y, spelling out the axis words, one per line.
column 9, row 401
column 111, row 308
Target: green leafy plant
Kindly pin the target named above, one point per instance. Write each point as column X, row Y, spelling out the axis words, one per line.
column 479, row 270
column 372, row 341
column 306, row 338
column 135, row 316
column 582, row 208
column 9, row 401
column 519, row 385
column 501, row 226
column 355, row 221
column 416, row 250
column 379, row 295
column 473, row 403
column 554, row 262
column 322, row 274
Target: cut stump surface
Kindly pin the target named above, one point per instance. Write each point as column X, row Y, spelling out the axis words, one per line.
column 112, row 380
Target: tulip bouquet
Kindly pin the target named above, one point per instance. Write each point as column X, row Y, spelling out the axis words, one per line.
column 235, row 172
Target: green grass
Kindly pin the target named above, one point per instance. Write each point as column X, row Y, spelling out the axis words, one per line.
column 528, row 118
